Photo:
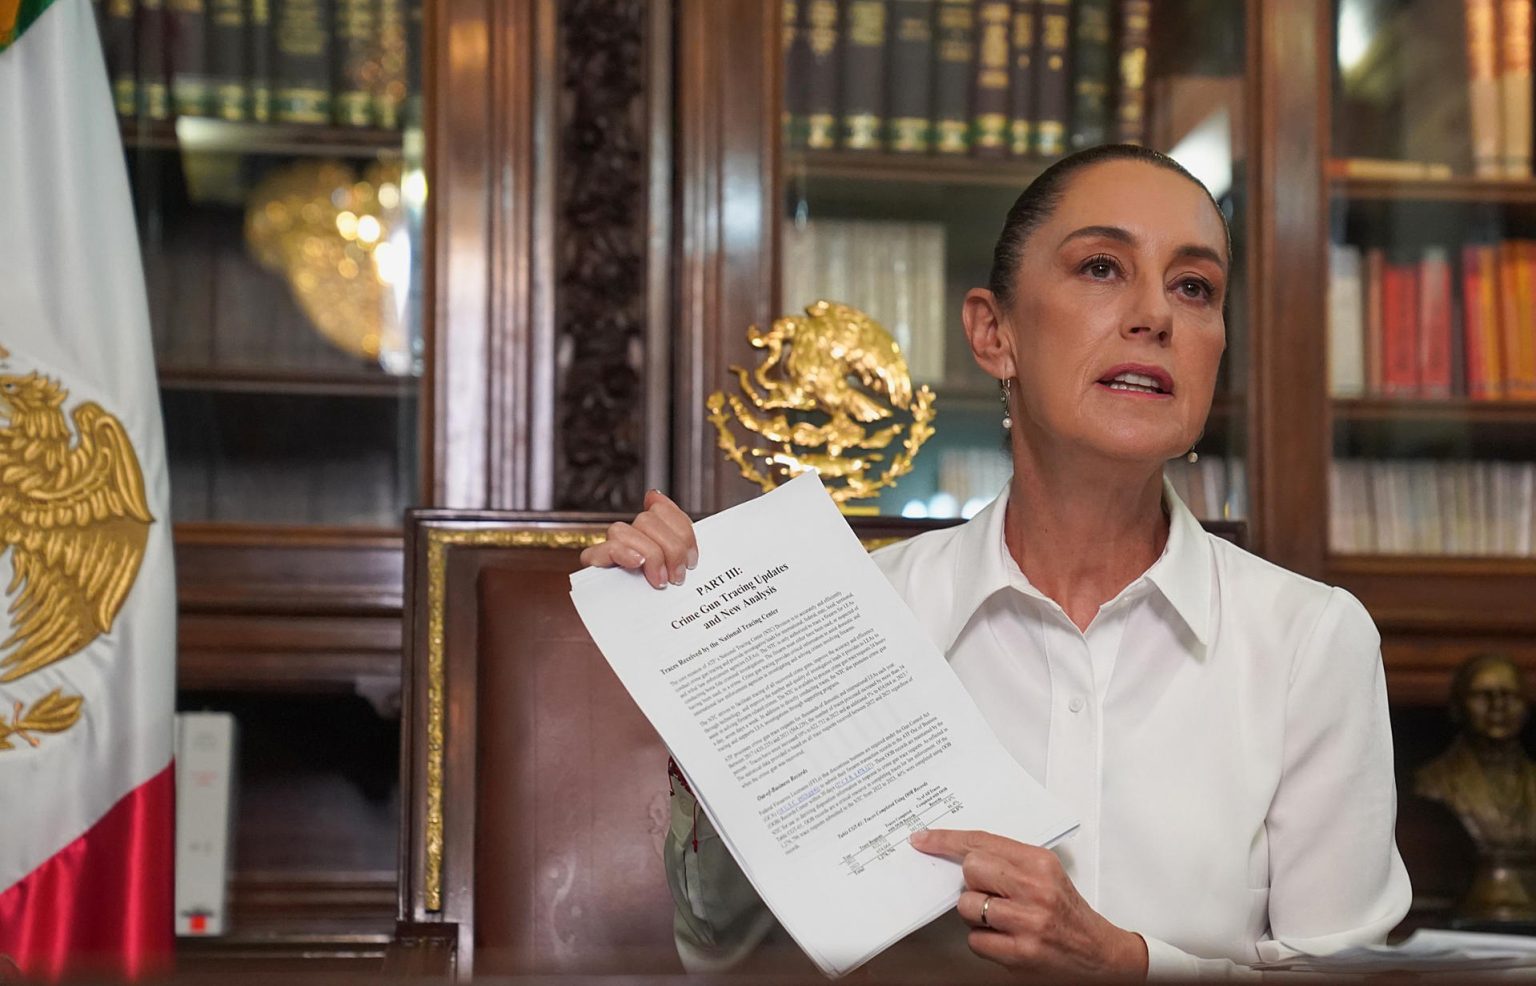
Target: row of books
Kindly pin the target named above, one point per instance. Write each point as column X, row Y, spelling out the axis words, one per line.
column 988, row 77
column 892, row 271
column 1434, row 325
column 1213, row 488
column 343, row 62
column 1432, row 507
column 1499, row 86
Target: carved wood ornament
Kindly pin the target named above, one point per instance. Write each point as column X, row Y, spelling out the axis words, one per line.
column 602, row 235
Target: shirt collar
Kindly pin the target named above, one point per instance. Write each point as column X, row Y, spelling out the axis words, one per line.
column 1182, row 573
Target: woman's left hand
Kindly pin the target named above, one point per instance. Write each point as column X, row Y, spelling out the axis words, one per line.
column 1035, row 919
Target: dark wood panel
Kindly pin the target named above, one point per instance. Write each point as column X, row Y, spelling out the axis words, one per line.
column 728, row 82
column 1479, row 191
column 1446, row 596
column 316, row 571
column 1291, row 57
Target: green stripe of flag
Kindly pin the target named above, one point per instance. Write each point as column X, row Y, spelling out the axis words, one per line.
column 16, row 17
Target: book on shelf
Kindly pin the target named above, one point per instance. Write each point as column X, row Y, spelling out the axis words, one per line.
column 151, row 33
column 954, row 57
column 1453, row 507
column 1517, row 282
column 119, row 48
column 822, row 75
column 1438, row 324
column 1092, row 65
column 1135, row 37
column 892, row 271
column 795, row 51
column 863, row 70
column 229, row 83
column 1483, row 87
column 1515, row 86
column 994, row 64
column 1021, row 128
column 188, row 51
column 1346, row 321
column 258, row 58
column 1053, row 84
column 1480, row 321
column 1435, row 324
column 355, row 51
column 1498, row 50
column 302, row 42
column 1400, row 329
column 398, row 55
column 205, row 794
column 910, row 96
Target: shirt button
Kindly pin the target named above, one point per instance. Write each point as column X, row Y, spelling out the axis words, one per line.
column 1076, row 705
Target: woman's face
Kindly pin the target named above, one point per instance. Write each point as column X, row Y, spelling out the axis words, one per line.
column 1117, row 326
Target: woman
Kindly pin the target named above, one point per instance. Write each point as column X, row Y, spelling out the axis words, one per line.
column 1218, row 724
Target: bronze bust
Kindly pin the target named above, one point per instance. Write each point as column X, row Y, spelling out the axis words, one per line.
column 1487, row 779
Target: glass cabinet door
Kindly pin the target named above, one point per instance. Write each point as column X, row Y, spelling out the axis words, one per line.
column 274, row 151
column 1432, row 262
column 909, row 128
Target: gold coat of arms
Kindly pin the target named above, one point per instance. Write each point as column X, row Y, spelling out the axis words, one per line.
column 829, row 382
column 75, row 519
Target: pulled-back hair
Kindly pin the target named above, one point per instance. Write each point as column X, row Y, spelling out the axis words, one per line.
column 1036, row 203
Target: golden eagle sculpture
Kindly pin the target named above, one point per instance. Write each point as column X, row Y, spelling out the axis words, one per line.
column 825, row 376
column 73, row 514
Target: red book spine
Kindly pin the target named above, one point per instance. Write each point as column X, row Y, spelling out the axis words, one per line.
column 1375, row 277
column 1400, row 324
column 1473, row 324
column 1435, row 325
column 1510, row 316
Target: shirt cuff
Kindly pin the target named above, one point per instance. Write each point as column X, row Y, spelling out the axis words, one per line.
column 1164, row 961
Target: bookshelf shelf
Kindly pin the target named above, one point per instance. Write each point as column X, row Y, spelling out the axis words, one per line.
column 288, row 139
column 1454, row 411
column 926, row 169
column 268, row 381
column 1473, row 191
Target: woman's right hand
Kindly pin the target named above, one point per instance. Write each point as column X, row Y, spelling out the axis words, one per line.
column 659, row 543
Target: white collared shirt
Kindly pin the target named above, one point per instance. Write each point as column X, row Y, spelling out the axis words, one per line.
column 1220, row 729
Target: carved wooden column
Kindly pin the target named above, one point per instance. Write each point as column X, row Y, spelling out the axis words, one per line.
column 549, row 157
column 611, row 253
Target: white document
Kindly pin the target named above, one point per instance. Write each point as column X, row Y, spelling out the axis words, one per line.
column 1426, row 950
column 816, row 721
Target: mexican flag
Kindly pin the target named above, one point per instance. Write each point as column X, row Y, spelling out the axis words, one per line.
column 87, row 630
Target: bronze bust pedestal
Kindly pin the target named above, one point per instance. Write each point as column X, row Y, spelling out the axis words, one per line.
column 1487, row 779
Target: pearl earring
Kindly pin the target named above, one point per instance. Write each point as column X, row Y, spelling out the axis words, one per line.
column 1007, row 386
column 1192, row 457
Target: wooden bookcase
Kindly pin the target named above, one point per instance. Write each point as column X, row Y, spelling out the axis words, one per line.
column 581, row 298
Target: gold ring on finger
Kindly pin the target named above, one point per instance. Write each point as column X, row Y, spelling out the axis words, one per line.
column 984, row 905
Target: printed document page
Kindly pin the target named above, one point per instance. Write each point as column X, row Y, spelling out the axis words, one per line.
column 815, row 720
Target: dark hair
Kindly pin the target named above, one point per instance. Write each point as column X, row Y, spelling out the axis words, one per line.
column 1036, row 203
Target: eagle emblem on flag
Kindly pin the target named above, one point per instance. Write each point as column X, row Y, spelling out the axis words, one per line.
column 75, row 520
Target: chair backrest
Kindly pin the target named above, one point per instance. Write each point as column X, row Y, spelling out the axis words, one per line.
column 535, row 792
